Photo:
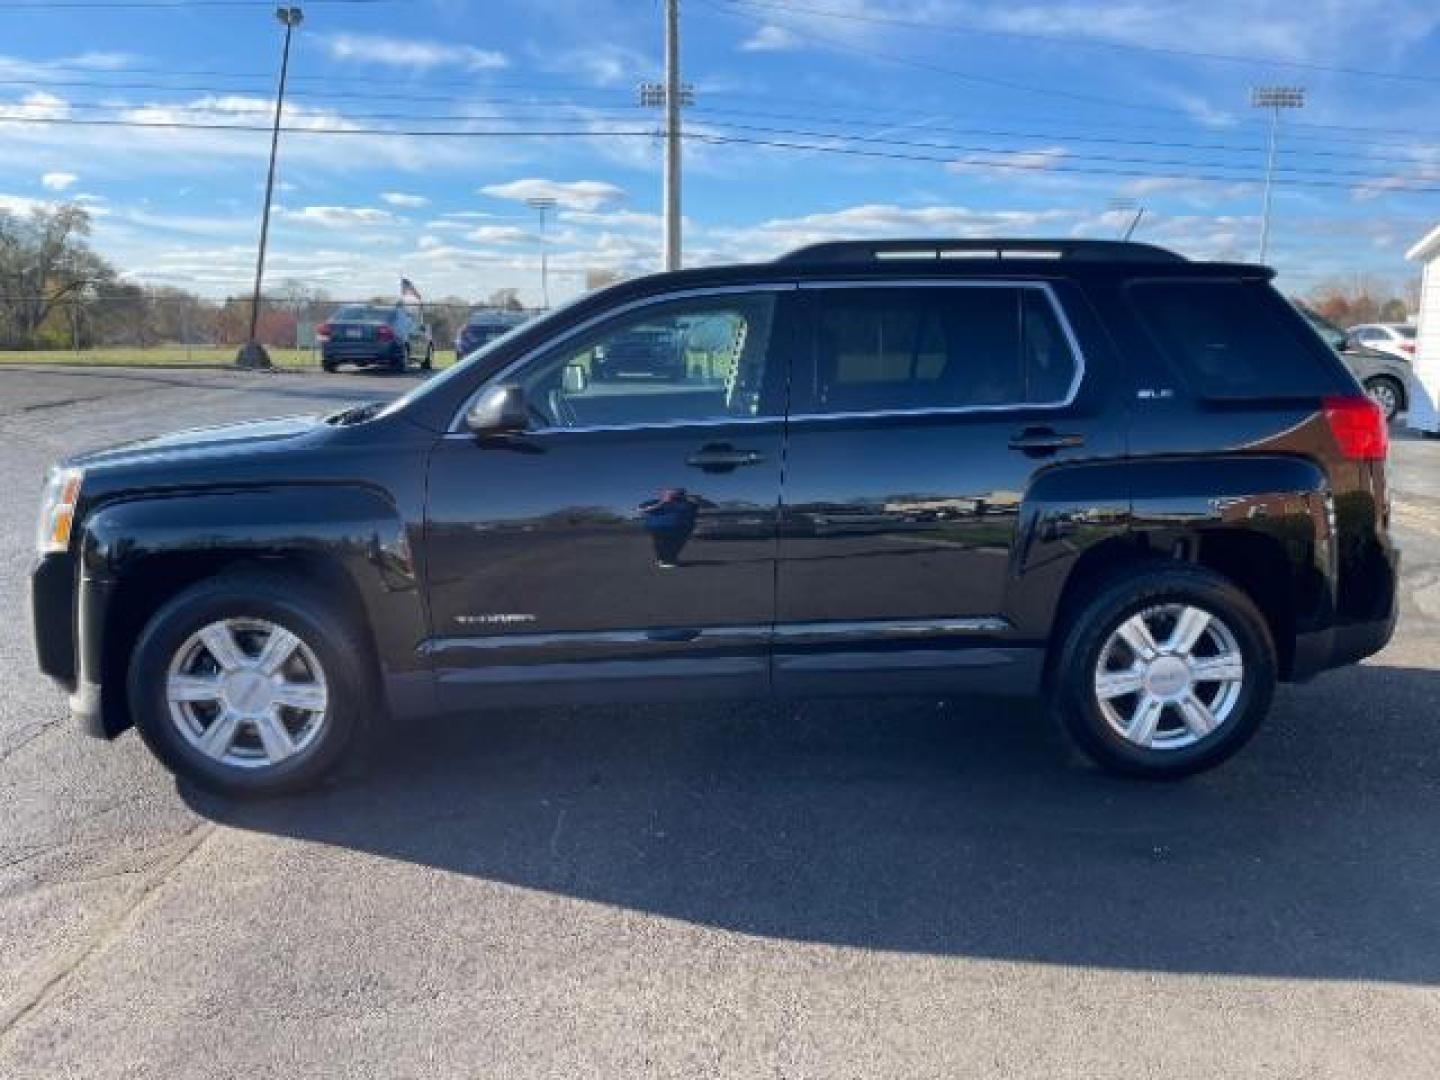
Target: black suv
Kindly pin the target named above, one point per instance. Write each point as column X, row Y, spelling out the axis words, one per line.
column 1138, row 486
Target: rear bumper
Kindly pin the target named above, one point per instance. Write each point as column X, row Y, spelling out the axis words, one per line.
column 361, row 352
column 1353, row 640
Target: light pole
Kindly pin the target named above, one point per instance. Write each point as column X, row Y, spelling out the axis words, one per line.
column 1273, row 98
column 252, row 353
column 541, row 204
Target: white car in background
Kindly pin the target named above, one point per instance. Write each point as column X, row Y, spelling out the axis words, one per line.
column 1397, row 339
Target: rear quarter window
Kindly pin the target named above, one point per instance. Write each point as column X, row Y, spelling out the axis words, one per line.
column 1233, row 339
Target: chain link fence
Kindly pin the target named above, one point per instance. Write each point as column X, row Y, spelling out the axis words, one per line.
column 171, row 328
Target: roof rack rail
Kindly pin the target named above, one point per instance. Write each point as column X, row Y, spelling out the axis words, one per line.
column 868, row 251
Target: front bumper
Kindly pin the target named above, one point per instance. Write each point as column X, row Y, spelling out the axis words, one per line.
column 55, row 618
column 52, row 615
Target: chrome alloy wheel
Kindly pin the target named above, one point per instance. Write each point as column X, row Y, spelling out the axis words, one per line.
column 246, row 692
column 1169, row 676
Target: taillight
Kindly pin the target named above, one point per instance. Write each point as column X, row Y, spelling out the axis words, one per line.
column 384, row 333
column 1358, row 426
column 322, row 331
column 1407, row 347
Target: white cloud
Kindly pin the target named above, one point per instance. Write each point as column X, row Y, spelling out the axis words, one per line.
column 498, row 234
column 399, row 198
column 413, row 53
column 22, row 204
column 338, row 216
column 1009, row 162
column 58, row 181
column 38, row 105
column 771, row 38
column 573, row 194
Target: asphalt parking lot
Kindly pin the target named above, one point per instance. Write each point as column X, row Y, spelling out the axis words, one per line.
column 907, row 888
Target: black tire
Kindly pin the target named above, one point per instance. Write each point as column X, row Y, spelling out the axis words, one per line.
column 285, row 601
column 429, row 362
column 1113, row 602
column 401, row 363
column 1387, row 393
column 328, row 366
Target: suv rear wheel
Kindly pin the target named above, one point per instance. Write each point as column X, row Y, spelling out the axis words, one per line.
column 248, row 684
column 1165, row 672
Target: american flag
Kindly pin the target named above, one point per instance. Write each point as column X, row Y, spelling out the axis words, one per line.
column 408, row 290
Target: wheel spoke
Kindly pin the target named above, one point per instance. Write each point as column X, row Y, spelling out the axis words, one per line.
column 1113, row 684
column 274, row 736
column 1135, row 632
column 1145, row 720
column 192, row 688
column 1224, row 667
column 1197, row 715
column 307, row 696
column 220, row 643
column 220, row 734
column 278, row 648
column 1190, row 624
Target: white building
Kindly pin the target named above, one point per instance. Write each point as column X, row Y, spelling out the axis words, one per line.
column 1425, row 387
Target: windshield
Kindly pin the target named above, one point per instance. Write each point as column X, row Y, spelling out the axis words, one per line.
column 361, row 313
column 1407, row 332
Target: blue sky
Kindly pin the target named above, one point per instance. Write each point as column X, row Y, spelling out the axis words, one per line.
column 937, row 117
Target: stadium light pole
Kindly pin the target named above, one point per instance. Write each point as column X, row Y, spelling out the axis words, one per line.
column 252, row 353
column 1273, row 98
column 542, row 204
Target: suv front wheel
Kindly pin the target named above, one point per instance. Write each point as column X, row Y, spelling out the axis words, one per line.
column 251, row 683
column 1165, row 672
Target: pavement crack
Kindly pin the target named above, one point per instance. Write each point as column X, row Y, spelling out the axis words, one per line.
column 32, row 998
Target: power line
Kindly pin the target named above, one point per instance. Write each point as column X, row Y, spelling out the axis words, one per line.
column 1072, row 40
column 567, row 110
column 630, row 114
column 710, row 137
column 1403, row 136
column 1008, row 84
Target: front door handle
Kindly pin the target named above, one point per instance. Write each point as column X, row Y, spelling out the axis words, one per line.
column 1039, row 441
column 722, row 457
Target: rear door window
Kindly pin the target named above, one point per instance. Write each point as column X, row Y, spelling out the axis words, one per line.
column 1232, row 339
column 882, row 349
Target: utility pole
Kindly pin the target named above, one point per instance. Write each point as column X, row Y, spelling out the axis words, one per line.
column 542, row 204
column 671, row 95
column 252, row 353
column 1273, row 98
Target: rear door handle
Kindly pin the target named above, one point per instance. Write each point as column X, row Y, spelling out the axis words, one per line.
column 1044, row 441
column 721, row 457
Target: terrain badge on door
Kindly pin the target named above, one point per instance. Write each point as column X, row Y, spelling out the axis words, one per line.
column 493, row 620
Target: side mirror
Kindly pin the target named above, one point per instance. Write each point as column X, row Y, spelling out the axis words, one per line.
column 500, row 410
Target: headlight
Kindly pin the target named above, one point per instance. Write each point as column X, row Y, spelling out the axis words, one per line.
column 57, row 510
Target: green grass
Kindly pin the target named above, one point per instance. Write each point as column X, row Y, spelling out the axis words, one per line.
column 173, row 356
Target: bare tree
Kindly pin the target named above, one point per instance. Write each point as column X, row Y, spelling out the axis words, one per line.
column 45, row 264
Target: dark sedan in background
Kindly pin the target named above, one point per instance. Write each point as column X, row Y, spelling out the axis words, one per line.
column 371, row 335
column 484, row 326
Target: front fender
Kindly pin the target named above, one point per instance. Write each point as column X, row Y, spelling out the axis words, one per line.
column 324, row 529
